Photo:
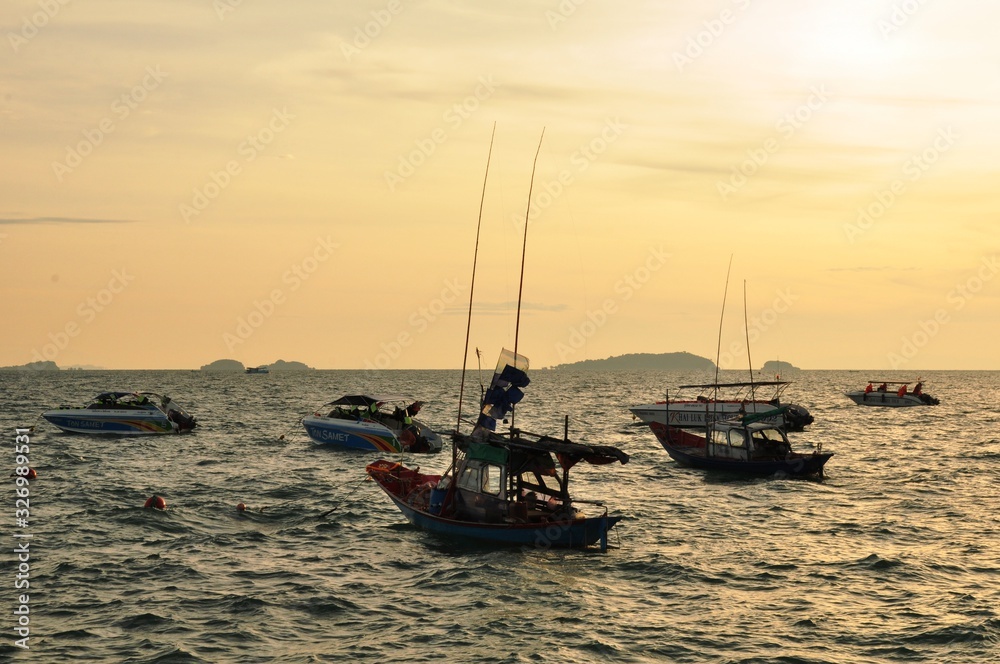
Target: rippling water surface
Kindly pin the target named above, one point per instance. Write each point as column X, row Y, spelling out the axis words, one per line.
column 894, row 557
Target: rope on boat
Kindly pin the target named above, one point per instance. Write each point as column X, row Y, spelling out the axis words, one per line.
column 342, row 500
column 31, row 427
column 297, row 423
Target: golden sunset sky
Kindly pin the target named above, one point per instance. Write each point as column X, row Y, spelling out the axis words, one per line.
column 192, row 180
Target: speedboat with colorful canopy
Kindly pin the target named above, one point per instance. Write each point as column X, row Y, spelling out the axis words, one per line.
column 386, row 423
column 124, row 413
column 750, row 445
column 727, row 400
column 889, row 396
column 510, row 488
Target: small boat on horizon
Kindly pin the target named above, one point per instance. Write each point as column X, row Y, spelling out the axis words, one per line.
column 884, row 395
column 385, row 423
column 262, row 369
column 124, row 413
column 749, row 445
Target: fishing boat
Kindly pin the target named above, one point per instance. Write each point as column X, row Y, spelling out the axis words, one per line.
column 737, row 398
column 511, row 488
column 385, row 423
column 888, row 396
column 748, row 445
column 258, row 370
column 124, row 413
column 508, row 489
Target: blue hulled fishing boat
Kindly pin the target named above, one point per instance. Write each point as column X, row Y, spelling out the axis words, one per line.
column 508, row 488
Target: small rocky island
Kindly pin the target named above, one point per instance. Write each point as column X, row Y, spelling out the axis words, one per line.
column 224, row 365
column 41, row 365
column 682, row 361
column 236, row 365
column 778, row 367
column 281, row 365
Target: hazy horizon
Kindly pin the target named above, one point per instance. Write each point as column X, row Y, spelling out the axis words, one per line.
column 89, row 367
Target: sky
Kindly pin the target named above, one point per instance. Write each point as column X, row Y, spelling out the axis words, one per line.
column 202, row 179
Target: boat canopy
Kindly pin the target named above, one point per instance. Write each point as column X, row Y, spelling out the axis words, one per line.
column 761, row 383
column 104, row 396
column 569, row 453
column 367, row 400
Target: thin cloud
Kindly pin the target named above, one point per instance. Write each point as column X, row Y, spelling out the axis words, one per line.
column 63, row 220
column 871, row 268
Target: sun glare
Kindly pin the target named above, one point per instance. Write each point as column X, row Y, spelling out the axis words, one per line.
column 842, row 43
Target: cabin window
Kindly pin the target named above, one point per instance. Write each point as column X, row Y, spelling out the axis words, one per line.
column 470, row 478
column 491, row 479
column 768, row 435
column 736, row 438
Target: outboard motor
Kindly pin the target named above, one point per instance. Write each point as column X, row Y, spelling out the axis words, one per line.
column 413, row 439
column 797, row 418
column 183, row 422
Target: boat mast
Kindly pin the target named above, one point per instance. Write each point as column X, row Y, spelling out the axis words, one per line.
column 524, row 250
column 472, row 287
column 718, row 349
column 746, row 327
column 524, row 245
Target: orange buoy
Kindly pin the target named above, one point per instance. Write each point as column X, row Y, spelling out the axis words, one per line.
column 31, row 474
column 156, row 502
column 241, row 507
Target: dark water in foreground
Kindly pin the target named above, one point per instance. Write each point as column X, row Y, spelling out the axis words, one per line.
column 894, row 557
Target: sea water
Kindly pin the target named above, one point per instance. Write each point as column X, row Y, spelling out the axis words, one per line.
column 893, row 557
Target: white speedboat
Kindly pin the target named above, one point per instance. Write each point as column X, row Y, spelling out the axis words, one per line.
column 124, row 413
column 741, row 400
column 886, row 395
column 379, row 422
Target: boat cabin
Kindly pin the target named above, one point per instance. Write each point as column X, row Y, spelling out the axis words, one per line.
column 749, row 442
column 515, row 484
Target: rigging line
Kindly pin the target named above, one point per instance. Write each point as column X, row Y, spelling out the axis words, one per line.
column 524, row 245
column 344, row 499
column 472, row 286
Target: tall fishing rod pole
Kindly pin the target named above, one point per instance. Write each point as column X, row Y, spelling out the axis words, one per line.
column 746, row 327
column 725, row 292
column 718, row 349
column 472, row 289
column 524, row 251
column 524, row 245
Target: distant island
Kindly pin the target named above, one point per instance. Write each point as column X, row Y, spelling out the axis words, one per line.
column 281, row 365
column 778, row 367
column 236, row 365
column 682, row 361
column 34, row 366
column 224, row 365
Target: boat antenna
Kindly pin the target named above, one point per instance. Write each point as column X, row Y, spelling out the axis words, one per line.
column 718, row 349
column 472, row 285
column 482, row 385
column 524, row 246
column 746, row 328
